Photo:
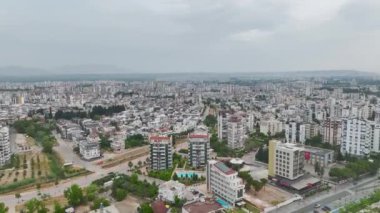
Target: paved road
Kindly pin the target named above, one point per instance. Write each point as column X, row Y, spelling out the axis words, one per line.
column 346, row 194
column 323, row 202
column 65, row 150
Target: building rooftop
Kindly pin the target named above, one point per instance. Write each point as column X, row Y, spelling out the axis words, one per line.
column 208, row 205
column 318, row 150
column 225, row 169
column 158, row 138
column 198, row 136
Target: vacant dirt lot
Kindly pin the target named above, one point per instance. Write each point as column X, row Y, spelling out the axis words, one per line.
column 268, row 196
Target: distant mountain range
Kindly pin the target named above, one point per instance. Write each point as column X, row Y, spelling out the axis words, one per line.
column 107, row 72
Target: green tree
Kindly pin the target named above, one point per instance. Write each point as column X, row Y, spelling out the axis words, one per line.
column 263, row 182
column 105, row 142
column 74, row 195
column 120, row 194
column 91, row 192
column 257, row 185
column 175, row 176
column 35, row 206
column 145, row 208
column 247, row 187
column 3, row 208
column 130, row 164
column 210, row 121
column 100, row 201
column 178, row 202
column 135, row 141
column 58, row 208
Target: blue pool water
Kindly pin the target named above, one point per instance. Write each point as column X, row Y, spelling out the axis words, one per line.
column 183, row 174
column 223, row 203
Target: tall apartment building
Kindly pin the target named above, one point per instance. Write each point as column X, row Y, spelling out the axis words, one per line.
column 235, row 133
column 251, row 122
column 161, row 152
column 5, row 146
column 286, row 160
column 271, row 126
column 222, row 125
column 199, row 149
column 224, row 182
column 332, row 131
column 311, row 130
column 295, row 133
column 359, row 137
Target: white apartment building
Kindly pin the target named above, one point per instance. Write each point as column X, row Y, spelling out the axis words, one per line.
column 161, row 152
column 89, row 150
column 5, row 147
column 286, row 160
column 199, row 149
column 295, row 133
column 224, row 182
column 251, row 122
column 236, row 133
column 271, row 126
column 360, row 137
column 169, row 190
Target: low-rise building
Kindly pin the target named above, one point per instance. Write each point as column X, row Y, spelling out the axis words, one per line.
column 89, row 150
column 169, row 190
column 224, row 182
column 324, row 157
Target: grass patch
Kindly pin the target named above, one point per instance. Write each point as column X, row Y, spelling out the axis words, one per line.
column 16, row 185
column 252, row 208
column 55, row 165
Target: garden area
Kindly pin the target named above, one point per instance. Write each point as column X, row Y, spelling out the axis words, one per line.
column 355, row 169
column 35, row 167
column 363, row 205
column 135, row 141
column 124, row 184
column 178, row 161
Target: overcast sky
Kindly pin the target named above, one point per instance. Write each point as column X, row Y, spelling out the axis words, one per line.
column 192, row 35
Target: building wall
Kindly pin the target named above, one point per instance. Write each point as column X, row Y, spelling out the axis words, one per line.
column 5, row 148
column 229, row 187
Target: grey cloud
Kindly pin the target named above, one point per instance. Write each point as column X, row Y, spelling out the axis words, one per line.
column 192, row 35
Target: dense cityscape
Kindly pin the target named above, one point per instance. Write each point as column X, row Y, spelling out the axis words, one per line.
column 267, row 145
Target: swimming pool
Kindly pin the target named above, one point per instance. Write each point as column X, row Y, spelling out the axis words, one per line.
column 186, row 174
column 223, row 203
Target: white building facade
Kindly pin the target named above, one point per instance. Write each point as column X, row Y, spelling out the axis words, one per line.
column 236, row 133
column 224, row 182
column 286, row 160
column 5, row 147
column 360, row 137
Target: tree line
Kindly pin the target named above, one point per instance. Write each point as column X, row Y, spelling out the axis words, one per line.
column 95, row 112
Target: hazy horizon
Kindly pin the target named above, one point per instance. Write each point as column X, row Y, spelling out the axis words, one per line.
column 174, row 36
